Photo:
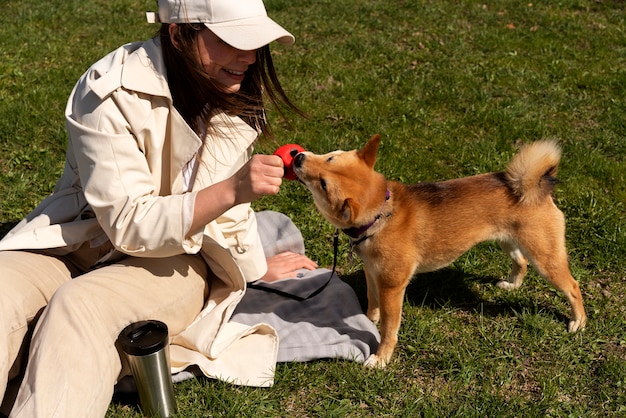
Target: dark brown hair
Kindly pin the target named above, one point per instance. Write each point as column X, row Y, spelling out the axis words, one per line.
column 196, row 95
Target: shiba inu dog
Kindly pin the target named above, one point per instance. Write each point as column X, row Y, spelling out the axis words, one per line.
column 400, row 230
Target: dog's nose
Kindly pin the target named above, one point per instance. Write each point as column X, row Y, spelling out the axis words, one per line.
column 298, row 159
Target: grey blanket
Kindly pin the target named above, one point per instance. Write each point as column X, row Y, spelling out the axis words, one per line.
column 330, row 324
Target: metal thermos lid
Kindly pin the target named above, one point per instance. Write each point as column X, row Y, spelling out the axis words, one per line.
column 144, row 337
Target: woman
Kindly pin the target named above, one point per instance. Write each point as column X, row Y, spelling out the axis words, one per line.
column 151, row 218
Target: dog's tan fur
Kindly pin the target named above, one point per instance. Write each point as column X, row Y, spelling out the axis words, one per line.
column 425, row 226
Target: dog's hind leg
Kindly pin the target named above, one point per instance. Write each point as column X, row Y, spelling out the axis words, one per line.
column 555, row 268
column 520, row 265
column 544, row 245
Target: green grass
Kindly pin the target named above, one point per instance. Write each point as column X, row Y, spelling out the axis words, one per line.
column 453, row 87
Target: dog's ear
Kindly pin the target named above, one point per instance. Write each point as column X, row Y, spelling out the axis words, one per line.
column 349, row 210
column 369, row 151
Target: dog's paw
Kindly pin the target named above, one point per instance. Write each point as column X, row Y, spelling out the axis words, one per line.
column 503, row 284
column 375, row 362
column 576, row 325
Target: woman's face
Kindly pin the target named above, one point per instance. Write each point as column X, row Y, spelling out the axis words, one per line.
column 223, row 62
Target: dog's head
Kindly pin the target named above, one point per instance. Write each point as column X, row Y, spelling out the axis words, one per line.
column 345, row 188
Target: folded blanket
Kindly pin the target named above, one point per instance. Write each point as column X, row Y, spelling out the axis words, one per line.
column 330, row 324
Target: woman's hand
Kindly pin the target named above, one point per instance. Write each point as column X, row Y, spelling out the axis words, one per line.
column 286, row 265
column 260, row 176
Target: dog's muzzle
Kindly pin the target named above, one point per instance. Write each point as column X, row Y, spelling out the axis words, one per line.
column 298, row 160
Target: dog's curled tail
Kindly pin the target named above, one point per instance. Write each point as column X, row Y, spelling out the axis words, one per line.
column 531, row 174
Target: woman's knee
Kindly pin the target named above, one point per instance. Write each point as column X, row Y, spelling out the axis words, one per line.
column 171, row 290
column 28, row 281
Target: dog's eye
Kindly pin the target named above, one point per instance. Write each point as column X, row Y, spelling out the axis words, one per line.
column 323, row 184
column 329, row 159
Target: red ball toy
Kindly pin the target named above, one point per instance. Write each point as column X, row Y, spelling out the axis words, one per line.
column 287, row 153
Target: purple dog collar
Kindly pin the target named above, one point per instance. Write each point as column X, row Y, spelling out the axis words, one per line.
column 356, row 232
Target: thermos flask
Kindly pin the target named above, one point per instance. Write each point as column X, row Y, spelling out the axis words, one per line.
column 147, row 350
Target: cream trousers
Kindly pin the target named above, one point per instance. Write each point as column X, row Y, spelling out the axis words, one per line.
column 72, row 363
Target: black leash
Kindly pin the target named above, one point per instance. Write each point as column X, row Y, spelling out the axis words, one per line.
column 317, row 291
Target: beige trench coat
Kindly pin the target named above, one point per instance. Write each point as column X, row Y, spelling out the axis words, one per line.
column 133, row 202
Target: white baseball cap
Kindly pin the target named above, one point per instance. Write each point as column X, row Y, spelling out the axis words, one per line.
column 243, row 24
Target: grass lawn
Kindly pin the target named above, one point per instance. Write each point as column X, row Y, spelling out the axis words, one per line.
column 453, row 87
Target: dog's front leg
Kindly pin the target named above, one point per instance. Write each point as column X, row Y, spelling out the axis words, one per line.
column 373, row 311
column 390, row 298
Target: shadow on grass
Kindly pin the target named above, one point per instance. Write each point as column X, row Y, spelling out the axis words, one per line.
column 126, row 394
column 450, row 287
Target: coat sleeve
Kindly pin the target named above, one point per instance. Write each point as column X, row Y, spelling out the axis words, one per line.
column 237, row 230
column 121, row 182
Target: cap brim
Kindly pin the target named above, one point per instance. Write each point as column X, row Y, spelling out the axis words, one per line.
column 251, row 33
